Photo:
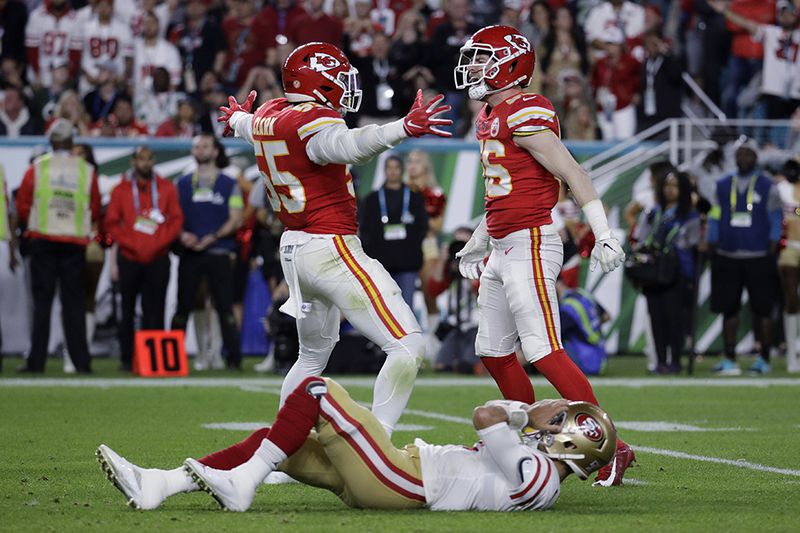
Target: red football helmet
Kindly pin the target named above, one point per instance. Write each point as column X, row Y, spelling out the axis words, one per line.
column 321, row 72
column 494, row 59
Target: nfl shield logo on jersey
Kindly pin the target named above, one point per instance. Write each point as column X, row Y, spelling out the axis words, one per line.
column 322, row 62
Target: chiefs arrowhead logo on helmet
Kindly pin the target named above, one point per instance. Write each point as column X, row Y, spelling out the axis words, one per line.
column 322, row 62
column 519, row 42
column 589, row 427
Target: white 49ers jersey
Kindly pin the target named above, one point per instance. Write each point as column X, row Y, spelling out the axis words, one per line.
column 457, row 478
column 104, row 43
column 54, row 38
column 146, row 59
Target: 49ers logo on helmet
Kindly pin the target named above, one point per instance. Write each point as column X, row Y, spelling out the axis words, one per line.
column 589, row 427
column 322, row 62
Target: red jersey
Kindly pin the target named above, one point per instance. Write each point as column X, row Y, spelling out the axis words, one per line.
column 305, row 196
column 520, row 192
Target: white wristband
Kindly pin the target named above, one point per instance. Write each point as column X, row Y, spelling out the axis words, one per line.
column 595, row 215
column 517, row 412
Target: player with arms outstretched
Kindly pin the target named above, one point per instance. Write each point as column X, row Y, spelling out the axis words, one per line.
column 322, row 438
column 303, row 147
column 523, row 161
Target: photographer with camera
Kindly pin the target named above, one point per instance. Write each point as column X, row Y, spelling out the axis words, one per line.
column 458, row 328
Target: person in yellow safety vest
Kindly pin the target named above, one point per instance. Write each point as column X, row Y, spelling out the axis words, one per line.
column 7, row 233
column 59, row 202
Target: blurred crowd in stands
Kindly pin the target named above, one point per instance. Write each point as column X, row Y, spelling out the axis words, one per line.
column 144, row 67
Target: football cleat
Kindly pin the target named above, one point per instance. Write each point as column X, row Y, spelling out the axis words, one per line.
column 233, row 489
column 759, row 368
column 726, row 367
column 142, row 487
column 611, row 474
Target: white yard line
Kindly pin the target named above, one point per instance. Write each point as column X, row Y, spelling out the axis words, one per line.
column 632, row 383
column 718, row 460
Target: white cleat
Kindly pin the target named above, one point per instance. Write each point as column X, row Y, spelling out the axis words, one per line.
column 142, row 487
column 233, row 490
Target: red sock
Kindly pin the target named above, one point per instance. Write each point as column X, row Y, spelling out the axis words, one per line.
column 298, row 415
column 510, row 377
column 290, row 430
column 237, row 454
column 567, row 378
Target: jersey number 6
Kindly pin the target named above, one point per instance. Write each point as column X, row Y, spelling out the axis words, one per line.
column 498, row 180
column 284, row 190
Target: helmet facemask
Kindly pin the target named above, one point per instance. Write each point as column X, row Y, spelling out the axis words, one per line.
column 350, row 101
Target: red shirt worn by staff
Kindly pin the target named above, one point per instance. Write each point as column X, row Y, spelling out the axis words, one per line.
column 121, row 218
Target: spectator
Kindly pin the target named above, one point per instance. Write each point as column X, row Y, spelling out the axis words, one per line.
column 121, row 122
column 183, row 125
column 392, row 225
column 789, row 259
column 537, row 27
column 578, row 118
column 744, row 229
column 11, row 72
column 671, row 226
column 45, row 99
column 122, row 11
column 144, row 218
column 71, row 108
column 201, row 44
column 380, row 81
column 163, row 12
column 52, row 37
column 275, row 18
column 158, row 103
column 780, row 86
column 624, row 15
column 15, row 118
column 315, row 26
column 212, row 209
column 100, row 101
column 563, row 48
column 409, row 54
column 245, row 47
column 106, row 41
column 59, row 227
column 152, row 52
column 13, row 20
column 358, row 31
column 660, row 81
column 615, row 80
column 747, row 54
column 446, row 43
column 264, row 82
column 214, row 96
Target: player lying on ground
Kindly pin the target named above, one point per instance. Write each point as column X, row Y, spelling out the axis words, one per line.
column 322, row 438
column 303, row 149
column 523, row 162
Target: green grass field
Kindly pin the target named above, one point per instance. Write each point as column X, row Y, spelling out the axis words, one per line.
column 715, row 454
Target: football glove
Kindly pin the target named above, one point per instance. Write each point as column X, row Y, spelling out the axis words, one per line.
column 607, row 252
column 234, row 106
column 424, row 119
column 473, row 253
